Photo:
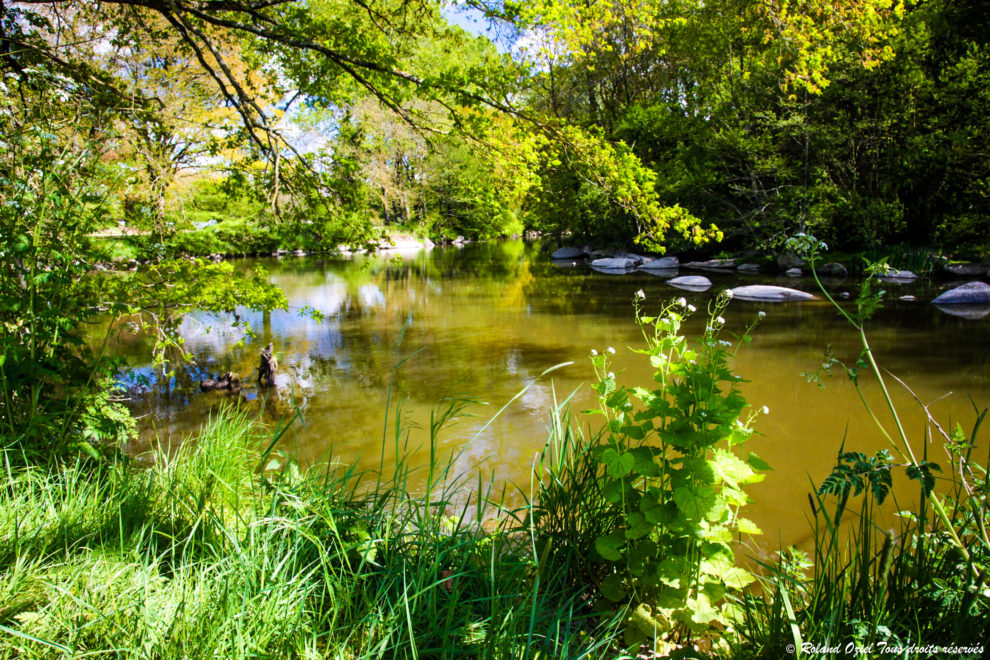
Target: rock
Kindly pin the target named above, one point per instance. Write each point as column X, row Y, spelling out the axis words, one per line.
column 299, row 253
column 568, row 253
column 790, row 260
column 793, row 272
column 894, row 275
column 845, row 295
column 662, row 263
column 227, row 381
column 615, row 263
column 748, row 268
column 460, row 240
column 691, row 282
column 907, row 298
column 764, row 292
column 971, row 293
column 628, row 255
column 833, row 269
column 966, row 269
column 666, row 273
column 712, row 264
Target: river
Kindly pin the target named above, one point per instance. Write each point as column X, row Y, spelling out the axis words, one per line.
column 482, row 322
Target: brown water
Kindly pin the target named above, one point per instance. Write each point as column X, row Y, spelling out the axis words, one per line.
column 486, row 320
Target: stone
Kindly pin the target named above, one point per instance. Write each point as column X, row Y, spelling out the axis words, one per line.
column 793, row 272
column 971, row 293
column 894, row 275
column 568, row 253
column 748, row 268
column 628, row 255
column 790, row 260
column 666, row 273
column 767, row 293
column 712, row 264
column 614, row 263
column 833, row 269
column 691, row 282
column 966, row 269
column 661, row 263
column 969, row 312
column 908, row 298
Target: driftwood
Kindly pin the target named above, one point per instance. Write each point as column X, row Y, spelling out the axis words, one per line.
column 227, row 381
column 268, row 366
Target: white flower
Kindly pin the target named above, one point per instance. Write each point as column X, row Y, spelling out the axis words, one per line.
column 724, row 343
column 682, row 302
column 594, row 352
column 610, row 350
column 766, row 411
column 720, row 321
column 692, row 308
column 610, row 375
column 640, row 295
column 761, row 314
column 728, row 293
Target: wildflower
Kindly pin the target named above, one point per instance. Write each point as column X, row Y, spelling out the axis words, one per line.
column 766, row 411
column 761, row 314
column 728, row 293
column 640, row 295
column 720, row 321
column 722, row 342
column 692, row 308
column 610, row 375
column 682, row 302
column 594, row 352
column 611, row 350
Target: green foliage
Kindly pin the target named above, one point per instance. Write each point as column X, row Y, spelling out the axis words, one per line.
column 675, row 478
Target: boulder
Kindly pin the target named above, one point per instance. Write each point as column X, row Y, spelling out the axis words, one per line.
column 971, row 293
column 833, row 269
column 907, row 298
column 748, row 268
column 666, row 273
column 691, row 282
column 894, row 275
column 790, row 260
column 663, row 263
column 615, row 263
column 966, row 269
column 712, row 264
column 568, row 253
column 629, row 255
column 767, row 293
column 793, row 272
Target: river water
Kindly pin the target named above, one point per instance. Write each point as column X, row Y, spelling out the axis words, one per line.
column 483, row 322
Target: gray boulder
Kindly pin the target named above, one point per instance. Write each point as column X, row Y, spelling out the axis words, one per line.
column 748, row 268
column 966, row 269
column 568, row 253
column 691, row 282
column 790, row 260
column 629, row 255
column 662, row 263
column 767, row 293
column 908, row 298
column 793, row 272
column 614, row 263
column 833, row 269
column 969, row 312
column 894, row 275
column 971, row 293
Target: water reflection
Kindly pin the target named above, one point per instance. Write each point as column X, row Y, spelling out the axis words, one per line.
column 484, row 321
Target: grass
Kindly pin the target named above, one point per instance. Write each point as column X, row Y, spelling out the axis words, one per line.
column 202, row 555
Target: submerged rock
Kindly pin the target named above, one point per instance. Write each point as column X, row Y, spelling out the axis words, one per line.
column 748, row 268
column 691, row 282
column 790, row 260
column 973, row 312
column 662, row 263
column 971, row 293
column 793, row 272
column 966, row 269
column 712, row 264
column 765, row 292
column 663, row 272
column 568, row 253
column 615, row 263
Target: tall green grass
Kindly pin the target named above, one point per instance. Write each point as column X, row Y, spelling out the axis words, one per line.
column 206, row 555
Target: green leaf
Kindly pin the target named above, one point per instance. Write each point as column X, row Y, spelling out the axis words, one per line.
column 731, row 469
column 695, row 504
column 747, row 526
column 611, row 587
column 610, row 546
column 737, row 578
column 757, row 463
column 618, row 465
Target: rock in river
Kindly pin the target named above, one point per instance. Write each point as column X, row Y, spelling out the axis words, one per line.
column 691, row 282
column 971, row 293
column 663, row 263
column 712, row 264
column 894, row 275
column 614, row 263
column 568, row 253
column 767, row 293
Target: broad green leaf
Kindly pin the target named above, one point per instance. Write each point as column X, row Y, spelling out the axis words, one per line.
column 737, row 578
column 611, row 587
column 618, row 465
column 610, row 546
column 757, row 463
column 747, row 526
